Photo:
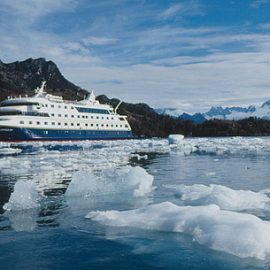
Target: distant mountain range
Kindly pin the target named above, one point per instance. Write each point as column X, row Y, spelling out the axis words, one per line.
column 227, row 113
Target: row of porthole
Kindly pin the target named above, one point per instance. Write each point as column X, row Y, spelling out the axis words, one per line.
column 83, row 116
column 72, row 124
column 59, row 106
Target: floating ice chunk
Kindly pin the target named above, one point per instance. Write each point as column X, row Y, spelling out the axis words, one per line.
column 134, row 181
column 224, row 197
column 9, row 151
column 240, row 234
column 176, row 139
column 24, row 196
column 82, row 184
column 25, row 220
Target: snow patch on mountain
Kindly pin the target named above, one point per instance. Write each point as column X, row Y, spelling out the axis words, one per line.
column 227, row 113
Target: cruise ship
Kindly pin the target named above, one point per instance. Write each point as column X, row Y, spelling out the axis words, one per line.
column 48, row 117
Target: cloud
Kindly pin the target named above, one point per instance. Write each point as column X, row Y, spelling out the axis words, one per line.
column 145, row 52
column 188, row 8
column 192, row 84
column 172, row 10
column 91, row 40
column 35, row 8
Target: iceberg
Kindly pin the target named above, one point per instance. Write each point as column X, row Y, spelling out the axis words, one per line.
column 134, row 181
column 24, row 196
column 239, row 234
column 226, row 198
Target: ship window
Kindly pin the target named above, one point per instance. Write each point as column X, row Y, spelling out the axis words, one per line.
column 116, row 125
column 111, row 125
column 97, row 125
column 78, row 116
column 97, row 117
column 91, row 110
column 86, row 116
column 121, row 118
column 59, row 124
column 21, row 122
column 92, row 125
column 72, row 116
column 83, row 116
column 66, row 115
column 38, row 123
column 46, row 105
column 120, row 125
column 92, row 117
column 78, row 124
column 30, row 122
column 72, row 124
column 53, row 123
column 59, row 106
column 66, row 124
column 86, row 125
column 59, row 115
column 72, row 107
column 126, row 126
column 107, row 118
column 102, row 125
column 7, row 103
column 52, row 106
column 107, row 125
column 102, row 117
column 65, row 107
column 112, row 118
column 52, row 114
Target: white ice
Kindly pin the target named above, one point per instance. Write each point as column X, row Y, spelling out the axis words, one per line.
column 24, row 196
column 106, row 154
column 133, row 181
column 243, row 235
column 224, row 197
column 176, row 139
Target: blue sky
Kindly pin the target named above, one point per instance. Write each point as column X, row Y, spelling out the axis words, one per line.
column 184, row 54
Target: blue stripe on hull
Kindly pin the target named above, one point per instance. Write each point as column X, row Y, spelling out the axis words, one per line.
column 27, row 134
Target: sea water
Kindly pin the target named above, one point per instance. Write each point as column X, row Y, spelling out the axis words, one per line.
column 200, row 203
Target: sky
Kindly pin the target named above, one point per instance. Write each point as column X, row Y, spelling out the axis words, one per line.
column 189, row 54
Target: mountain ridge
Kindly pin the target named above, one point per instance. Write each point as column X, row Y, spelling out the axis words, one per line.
column 224, row 113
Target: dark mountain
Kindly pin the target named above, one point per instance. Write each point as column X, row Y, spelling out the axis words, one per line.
column 22, row 77
column 196, row 118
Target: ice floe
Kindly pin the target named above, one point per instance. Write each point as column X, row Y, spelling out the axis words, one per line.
column 176, row 139
column 126, row 180
column 24, row 196
column 224, row 197
column 240, row 234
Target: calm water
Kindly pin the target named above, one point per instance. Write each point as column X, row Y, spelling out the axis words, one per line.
column 56, row 235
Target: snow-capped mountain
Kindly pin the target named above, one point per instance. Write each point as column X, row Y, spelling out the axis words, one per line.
column 169, row 111
column 227, row 113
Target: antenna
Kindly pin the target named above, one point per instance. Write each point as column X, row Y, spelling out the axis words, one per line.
column 40, row 90
column 116, row 108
